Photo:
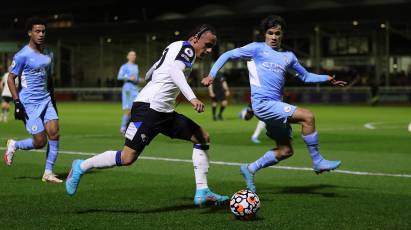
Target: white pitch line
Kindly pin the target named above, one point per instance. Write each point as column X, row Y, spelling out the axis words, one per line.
column 359, row 173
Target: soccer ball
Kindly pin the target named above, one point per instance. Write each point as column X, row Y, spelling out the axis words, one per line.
column 244, row 204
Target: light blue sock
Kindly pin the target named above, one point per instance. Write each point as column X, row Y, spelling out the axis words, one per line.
column 25, row 144
column 52, row 154
column 124, row 121
column 267, row 160
column 311, row 140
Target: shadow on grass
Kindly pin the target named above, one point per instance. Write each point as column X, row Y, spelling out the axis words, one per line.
column 62, row 176
column 206, row 210
column 307, row 189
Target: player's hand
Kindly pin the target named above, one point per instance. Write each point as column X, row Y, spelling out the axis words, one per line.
column 207, row 81
column 133, row 78
column 19, row 111
column 197, row 105
column 227, row 93
column 212, row 95
column 335, row 82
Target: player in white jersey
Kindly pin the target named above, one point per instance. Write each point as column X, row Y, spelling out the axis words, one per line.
column 5, row 97
column 153, row 113
column 268, row 65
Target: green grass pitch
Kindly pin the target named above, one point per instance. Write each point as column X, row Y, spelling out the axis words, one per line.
column 156, row 194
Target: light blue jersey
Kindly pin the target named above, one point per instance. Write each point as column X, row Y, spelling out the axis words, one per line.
column 32, row 67
column 267, row 71
column 130, row 89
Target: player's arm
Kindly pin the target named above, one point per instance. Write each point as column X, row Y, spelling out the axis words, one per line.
column 308, row 77
column 149, row 73
column 178, row 77
column 211, row 91
column 16, row 69
column 245, row 52
column 121, row 74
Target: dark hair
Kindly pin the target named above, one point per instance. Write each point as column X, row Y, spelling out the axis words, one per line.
column 34, row 21
column 201, row 29
column 272, row 21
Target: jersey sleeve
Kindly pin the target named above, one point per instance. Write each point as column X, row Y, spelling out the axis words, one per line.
column 122, row 75
column 245, row 52
column 177, row 75
column 186, row 54
column 305, row 76
column 17, row 65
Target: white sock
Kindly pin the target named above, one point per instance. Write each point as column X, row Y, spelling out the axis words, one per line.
column 200, row 163
column 48, row 171
column 260, row 127
column 102, row 160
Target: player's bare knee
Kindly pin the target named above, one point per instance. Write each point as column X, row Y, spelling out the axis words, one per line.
column 39, row 142
column 309, row 118
column 284, row 152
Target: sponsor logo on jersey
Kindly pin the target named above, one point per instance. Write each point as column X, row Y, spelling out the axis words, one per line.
column 189, row 52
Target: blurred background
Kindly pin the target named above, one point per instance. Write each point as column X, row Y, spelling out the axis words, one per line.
column 365, row 42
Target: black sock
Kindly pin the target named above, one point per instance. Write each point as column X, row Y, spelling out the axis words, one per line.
column 221, row 111
column 214, row 108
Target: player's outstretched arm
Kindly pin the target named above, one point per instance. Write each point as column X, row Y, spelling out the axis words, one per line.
column 335, row 82
column 244, row 52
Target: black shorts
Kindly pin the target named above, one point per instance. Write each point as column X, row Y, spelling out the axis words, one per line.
column 7, row 99
column 146, row 124
column 219, row 97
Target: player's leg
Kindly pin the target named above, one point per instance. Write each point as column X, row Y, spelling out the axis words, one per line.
column 281, row 133
column 134, row 145
column 185, row 129
column 222, row 107
column 258, row 129
column 34, row 126
column 214, row 108
column 52, row 130
column 127, row 102
column 5, row 106
column 310, row 136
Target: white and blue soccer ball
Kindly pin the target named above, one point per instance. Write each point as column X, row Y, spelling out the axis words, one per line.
column 244, row 204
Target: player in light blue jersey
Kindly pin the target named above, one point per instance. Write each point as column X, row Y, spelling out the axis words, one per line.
column 267, row 65
column 129, row 74
column 34, row 100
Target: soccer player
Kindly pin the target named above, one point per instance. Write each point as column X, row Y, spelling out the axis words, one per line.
column 6, row 97
column 267, row 66
column 153, row 113
column 218, row 92
column 129, row 74
column 34, row 102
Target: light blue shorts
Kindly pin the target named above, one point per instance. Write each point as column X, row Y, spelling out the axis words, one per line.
column 39, row 114
column 275, row 115
column 128, row 94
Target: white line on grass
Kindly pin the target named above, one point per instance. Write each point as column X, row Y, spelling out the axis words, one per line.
column 238, row 164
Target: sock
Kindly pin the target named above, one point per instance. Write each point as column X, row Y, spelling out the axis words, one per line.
column 214, row 108
column 107, row 159
column 266, row 160
column 260, row 127
column 24, row 144
column 200, row 163
column 52, row 153
column 311, row 140
column 124, row 121
column 221, row 111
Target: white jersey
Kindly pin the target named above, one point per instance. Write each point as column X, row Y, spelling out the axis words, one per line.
column 168, row 76
column 6, row 91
